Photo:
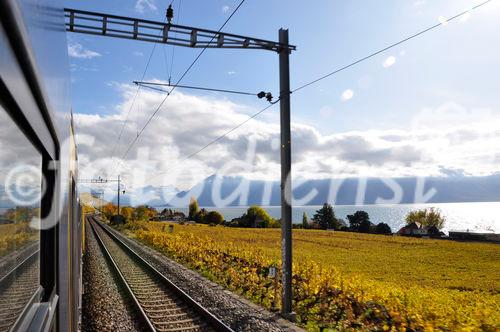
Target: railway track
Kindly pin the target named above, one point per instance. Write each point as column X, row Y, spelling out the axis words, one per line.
column 18, row 288
column 163, row 306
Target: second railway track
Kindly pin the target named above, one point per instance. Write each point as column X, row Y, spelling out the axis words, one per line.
column 164, row 306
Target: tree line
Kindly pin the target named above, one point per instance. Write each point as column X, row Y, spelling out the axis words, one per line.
column 257, row 217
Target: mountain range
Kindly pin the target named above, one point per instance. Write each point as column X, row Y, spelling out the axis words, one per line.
column 377, row 191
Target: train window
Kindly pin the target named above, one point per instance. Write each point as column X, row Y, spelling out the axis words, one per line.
column 20, row 196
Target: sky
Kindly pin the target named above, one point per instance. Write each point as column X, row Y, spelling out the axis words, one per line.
column 428, row 107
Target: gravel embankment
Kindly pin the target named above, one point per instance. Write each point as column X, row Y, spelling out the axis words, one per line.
column 237, row 312
column 105, row 305
column 11, row 260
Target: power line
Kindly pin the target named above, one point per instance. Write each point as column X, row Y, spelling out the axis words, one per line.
column 389, row 47
column 321, row 78
column 178, row 81
column 138, row 87
column 133, row 100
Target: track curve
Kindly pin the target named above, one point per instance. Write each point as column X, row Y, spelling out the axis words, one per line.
column 164, row 306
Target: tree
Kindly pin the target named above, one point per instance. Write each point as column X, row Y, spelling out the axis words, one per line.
column 144, row 213
column 257, row 217
column 305, row 221
column 109, row 210
column 426, row 217
column 127, row 212
column 325, row 218
column 365, row 226
column 166, row 212
column 214, row 218
column 383, row 228
column 194, row 209
column 201, row 216
column 356, row 219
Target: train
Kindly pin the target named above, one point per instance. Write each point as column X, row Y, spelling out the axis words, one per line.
column 41, row 220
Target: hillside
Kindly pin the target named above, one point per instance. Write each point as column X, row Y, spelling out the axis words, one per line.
column 348, row 280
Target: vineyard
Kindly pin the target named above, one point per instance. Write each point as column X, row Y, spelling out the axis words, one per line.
column 347, row 280
column 15, row 236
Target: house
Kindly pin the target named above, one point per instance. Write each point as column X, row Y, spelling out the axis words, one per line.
column 413, row 229
column 434, row 232
column 342, row 223
column 417, row 229
column 475, row 236
column 5, row 220
column 178, row 216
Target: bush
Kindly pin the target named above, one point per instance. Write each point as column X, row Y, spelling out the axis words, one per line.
column 214, row 217
column 117, row 220
column 383, row 228
column 365, row 226
column 256, row 217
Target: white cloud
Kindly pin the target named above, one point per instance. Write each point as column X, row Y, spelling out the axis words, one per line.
column 76, row 50
column 186, row 123
column 347, row 95
column 142, row 5
column 391, row 60
column 231, row 72
column 225, row 9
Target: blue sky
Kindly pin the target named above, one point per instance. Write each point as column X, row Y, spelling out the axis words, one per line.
column 453, row 61
column 455, row 66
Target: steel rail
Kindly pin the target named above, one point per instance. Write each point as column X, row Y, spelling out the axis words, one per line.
column 138, row 306
column 213, row 321
column 20, row 289
column 22, row 265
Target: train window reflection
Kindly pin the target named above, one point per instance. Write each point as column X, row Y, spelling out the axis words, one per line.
column 20, row 195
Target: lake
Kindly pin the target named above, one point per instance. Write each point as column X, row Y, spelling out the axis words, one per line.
column 459, row 216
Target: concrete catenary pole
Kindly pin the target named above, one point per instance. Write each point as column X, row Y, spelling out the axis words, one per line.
column 286, row 166
column 118, row 194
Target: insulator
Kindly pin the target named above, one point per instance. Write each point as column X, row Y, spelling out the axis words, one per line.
column 170, row 13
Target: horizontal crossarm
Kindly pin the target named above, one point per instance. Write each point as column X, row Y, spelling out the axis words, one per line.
column 158, row 32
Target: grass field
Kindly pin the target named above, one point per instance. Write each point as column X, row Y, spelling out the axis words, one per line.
column 349, row 280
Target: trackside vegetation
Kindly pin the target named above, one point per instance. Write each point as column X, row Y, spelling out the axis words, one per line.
column 347, row 280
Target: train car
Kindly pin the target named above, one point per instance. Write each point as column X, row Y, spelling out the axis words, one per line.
column 40, row 221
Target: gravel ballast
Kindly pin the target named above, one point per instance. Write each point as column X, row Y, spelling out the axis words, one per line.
column 105, row 306
column 237, row 312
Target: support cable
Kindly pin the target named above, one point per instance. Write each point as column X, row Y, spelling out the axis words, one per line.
column 139, row 134
column 173, row 46
column 151, row 85
column 217, row 139
column 443, row 22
